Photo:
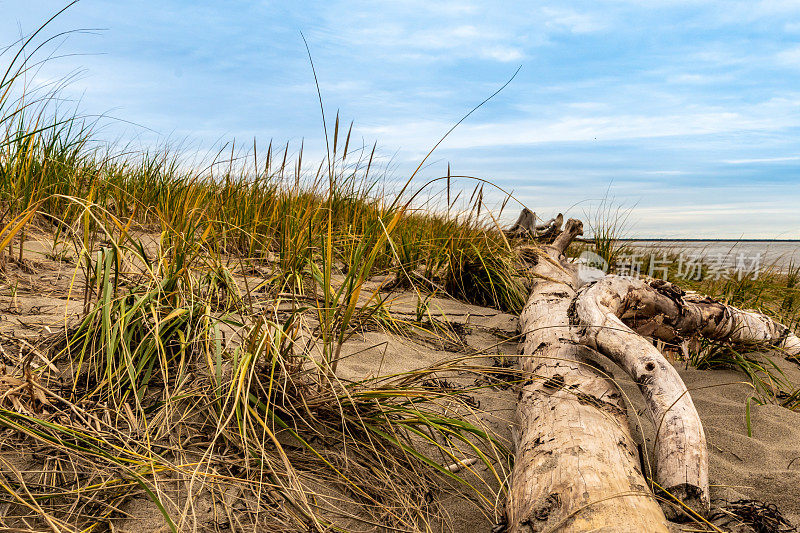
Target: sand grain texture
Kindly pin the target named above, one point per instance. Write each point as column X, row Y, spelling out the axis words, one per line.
column 764, row 466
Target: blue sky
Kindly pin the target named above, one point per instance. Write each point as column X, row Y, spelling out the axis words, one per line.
column 688, row 112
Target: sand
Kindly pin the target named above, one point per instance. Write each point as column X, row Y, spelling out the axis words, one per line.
column 763, row 466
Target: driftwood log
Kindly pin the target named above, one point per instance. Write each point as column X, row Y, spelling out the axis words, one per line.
column 576, row 464
column 526, row 227
column 680, row 443
column 616, row 313
column 661, row 310
column 577, row 467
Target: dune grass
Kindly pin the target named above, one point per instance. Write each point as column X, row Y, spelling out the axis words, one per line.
column 184, row 383
column 174, row 385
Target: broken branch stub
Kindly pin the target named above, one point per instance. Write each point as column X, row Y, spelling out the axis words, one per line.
column 526, row 227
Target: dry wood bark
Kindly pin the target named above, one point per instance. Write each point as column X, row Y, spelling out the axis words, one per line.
column 577, row 466
column 526, row 227
column 664, row 311
column 680, row 443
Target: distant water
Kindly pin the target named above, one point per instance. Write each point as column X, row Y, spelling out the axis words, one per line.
column 769, row 254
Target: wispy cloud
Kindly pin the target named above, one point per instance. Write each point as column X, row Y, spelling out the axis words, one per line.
column 664, row 100
column 573, row 21
column 574, row 129
column 762, row 160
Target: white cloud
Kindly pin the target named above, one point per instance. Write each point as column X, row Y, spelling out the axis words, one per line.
column 430, row 31
column 503, row 54
column 414, row 135
column 789, row 57
column 433, row 43
column 771, row 7
column 692, row 78
column 761, row 160
column 572, row 21
column 588, row 106
column 667, row 172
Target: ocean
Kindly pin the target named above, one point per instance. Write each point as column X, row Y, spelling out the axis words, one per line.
column 764, row 255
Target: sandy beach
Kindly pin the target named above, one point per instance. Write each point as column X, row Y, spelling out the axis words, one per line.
column 764, row 465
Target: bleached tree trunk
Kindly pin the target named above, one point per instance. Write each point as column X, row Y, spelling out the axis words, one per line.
column 577, row 466
column 680, row 443
column 606, row 312
column 662, row 310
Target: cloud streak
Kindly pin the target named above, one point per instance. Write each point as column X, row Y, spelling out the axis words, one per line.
column 661, row 100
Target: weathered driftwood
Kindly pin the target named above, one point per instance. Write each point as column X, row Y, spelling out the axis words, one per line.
column 664, row 311
column 526, row 227
column 680, row 443
column 615, row 314
column 550, row 229
column 577, row 466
